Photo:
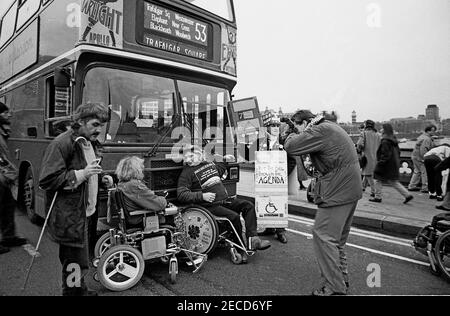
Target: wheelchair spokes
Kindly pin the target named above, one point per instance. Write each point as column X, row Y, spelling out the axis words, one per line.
column 120, row 268
column 443, row 253
column 199, row 229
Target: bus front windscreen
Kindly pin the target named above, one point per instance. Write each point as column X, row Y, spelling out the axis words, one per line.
column 142, row 106
column 205, row 111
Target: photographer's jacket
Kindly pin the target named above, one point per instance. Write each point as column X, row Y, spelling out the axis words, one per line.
column 333, row 154
column 62, row 158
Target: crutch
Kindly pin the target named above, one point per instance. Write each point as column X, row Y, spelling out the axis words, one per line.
column 39, row 242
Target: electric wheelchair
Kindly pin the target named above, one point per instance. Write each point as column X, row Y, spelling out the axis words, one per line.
column 142, row 235
column 145, row 235
column 433, row 241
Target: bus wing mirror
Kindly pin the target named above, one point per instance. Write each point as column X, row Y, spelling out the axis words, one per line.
column 62, row 77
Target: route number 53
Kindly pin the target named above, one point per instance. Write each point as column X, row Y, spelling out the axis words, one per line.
column 200, row 32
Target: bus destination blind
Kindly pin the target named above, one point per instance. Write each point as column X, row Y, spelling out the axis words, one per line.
column 178, row 33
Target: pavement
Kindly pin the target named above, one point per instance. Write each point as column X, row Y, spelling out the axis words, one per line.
column 390, row 217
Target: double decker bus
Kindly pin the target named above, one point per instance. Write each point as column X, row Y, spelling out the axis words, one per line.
column 156, row 64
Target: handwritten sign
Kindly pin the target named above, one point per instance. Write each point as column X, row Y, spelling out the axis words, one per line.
column 271, row 189
column 271, row 172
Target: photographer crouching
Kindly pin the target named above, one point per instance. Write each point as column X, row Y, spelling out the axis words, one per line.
column 336, row 192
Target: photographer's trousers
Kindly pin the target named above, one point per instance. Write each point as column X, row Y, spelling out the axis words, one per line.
column 330, row 232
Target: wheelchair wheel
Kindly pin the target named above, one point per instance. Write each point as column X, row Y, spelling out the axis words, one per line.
column 173, row 271
column 201, row 229
column 442, row 254
column 102, row 244
column 236, row 257
column 120, row 268
column 309, row 191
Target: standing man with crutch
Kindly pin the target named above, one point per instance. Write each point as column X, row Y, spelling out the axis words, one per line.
column 71, row 168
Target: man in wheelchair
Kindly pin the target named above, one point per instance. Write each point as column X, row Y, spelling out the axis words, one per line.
column 200, row 182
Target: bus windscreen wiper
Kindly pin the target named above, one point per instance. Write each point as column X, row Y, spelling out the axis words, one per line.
column 175, row 120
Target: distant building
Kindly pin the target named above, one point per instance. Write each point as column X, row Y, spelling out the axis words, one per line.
column 408, row 125
column 446, row 127
column 432, row 113
column 354, row 117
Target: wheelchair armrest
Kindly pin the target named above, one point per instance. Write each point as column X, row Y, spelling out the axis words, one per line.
column 141, row 212
column 171, row 209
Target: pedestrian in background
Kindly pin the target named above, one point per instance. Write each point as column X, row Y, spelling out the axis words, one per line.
column 8, row 178
column 444, row 165
column 423, row 145
column 336, row 193
column 388, row 165
column 70, row 167
column 432, row 159
column 367, row 145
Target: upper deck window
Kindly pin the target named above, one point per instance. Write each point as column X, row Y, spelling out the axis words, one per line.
column 222, row 8
column 26, row 10
column 8, row 24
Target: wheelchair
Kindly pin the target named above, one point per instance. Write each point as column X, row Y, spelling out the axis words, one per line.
column 145, row 235
column 433, row 241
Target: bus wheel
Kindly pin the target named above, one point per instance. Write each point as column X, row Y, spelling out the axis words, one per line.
column 28, row 196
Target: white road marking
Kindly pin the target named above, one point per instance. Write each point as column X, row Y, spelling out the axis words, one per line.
column 386, row 254
column 359, row 232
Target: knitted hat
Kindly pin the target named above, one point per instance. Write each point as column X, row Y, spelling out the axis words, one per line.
column 370, row 124
column 3, row 108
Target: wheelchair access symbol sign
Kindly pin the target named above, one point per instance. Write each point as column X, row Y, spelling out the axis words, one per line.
column 271, row 208
column 271, row 211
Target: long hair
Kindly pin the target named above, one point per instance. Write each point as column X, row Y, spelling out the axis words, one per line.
column 130, row 168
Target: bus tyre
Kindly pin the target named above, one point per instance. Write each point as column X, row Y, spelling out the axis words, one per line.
column 28, row 197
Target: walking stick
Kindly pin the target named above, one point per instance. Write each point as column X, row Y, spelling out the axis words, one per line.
column 39, row 242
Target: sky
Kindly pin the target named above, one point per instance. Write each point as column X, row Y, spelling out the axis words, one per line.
column 384, row 58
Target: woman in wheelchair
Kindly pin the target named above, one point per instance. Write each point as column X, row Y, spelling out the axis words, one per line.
column 121, row 252
column 137, row 196
column 200, row 182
